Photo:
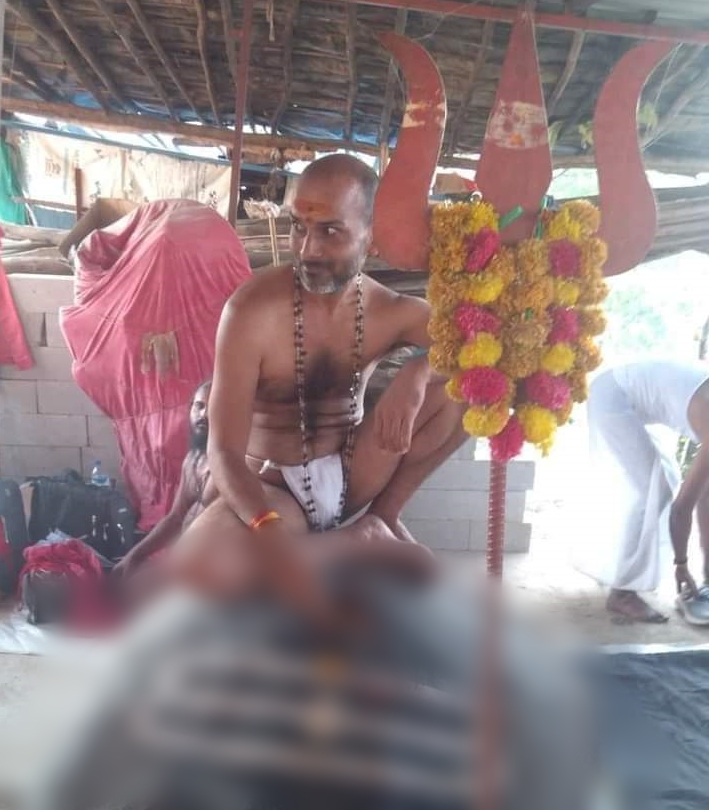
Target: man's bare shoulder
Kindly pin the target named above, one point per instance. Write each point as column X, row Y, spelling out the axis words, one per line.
column 266, row 288
column 392, row 302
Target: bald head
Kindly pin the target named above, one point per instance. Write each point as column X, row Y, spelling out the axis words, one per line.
column 346, row 167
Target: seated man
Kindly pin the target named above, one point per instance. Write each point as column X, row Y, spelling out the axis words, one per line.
column 289, row 450
column 643, row 481
column 189, row 500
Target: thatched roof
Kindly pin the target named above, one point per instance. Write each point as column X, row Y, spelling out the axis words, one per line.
column 317, row 73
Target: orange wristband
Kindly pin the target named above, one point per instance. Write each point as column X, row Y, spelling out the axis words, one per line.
column 261, row 520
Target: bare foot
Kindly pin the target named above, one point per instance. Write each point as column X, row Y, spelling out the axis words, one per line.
column 402, row 533
column 628, row 607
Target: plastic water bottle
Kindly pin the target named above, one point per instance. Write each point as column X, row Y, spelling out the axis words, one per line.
column 98, row 479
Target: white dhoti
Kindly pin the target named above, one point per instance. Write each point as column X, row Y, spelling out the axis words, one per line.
column 634, row 475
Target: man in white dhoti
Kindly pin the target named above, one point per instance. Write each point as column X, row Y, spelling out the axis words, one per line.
column 644, row 491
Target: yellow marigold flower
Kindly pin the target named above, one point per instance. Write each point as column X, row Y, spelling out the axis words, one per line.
column 566, row 293
column 453, row 390
column 445, row 294
column 443, row 329
column 562, row 226
column 564, row 414
column 480, row 420
column 558, row 359
column 518, row 364
column 530, row 300
column 532, row 259
column 592, row 321
column 593, row 293
column 594, row 253
column 443, row 357
column 482, row 215
column 484, row 350
column 484, row 288
column 579, row 385
column 503, row 265
column 588, row 355
column 539, row 424
column 585, row 214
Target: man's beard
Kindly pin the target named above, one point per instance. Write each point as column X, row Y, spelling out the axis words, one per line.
column 198, row 440
column 328, row 285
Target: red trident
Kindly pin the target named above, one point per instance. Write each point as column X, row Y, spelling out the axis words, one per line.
column 515, row 171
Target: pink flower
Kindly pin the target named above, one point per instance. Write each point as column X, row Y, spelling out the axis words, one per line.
column 508, row 443
column 547, row 390
column 565, row 326
column 481, row 247
column 483, row 385
column 472, row 319
column 564, row 258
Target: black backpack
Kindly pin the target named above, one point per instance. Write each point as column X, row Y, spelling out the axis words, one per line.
column 13, row 535
column 100, row 516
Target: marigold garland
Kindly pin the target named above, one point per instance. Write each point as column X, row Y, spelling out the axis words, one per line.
column 513, row 325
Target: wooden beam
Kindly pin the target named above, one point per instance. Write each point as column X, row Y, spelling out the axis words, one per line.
column 569, row 68
column 150, row 35
column 202, row 42
column 477, row 66
column 384, row 125
column 287, row 48
column 135, row 51
column 123, row 122
column 86, row 52
column 30, row 17
column 240, row 99
column 228, row 25
column 351, row 48
column 27, row 76
column 562, row 22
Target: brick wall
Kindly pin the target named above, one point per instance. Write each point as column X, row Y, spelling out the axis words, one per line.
column 46, row 421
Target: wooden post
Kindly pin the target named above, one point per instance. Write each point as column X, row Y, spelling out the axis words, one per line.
column 239, row 107
column 79, row 191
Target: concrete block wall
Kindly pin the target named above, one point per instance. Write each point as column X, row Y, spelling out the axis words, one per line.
column 47, row 423
column 449, row 511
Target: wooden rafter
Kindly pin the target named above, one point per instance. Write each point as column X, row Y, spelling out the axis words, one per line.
column 25, row 75
column 477, row 66
column 351, row 39
column 228, row 25
column 167, row 63
column 203, row 44
column 31, row 18
column 287, row 48
column 690, row 92
column 572, row 60
column 134, row 50
column 399, row 28
column 88, row 55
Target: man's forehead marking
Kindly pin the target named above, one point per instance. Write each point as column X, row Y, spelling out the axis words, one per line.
column 310, row 206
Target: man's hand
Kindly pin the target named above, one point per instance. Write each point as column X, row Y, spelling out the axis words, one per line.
column 396, row 411
column 685, row 580
column 124, row 568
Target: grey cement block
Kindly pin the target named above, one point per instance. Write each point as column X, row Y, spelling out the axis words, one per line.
column 448, row 535
column 18, row 396
column 441, row 504
column 50, row 364
column 101, row 433
column 21, row 462
column 475, row 475
column 64, row 398
column 517, row 536
column 33, row 324
column 55, row 338
column 40, row 430
column 35, row 293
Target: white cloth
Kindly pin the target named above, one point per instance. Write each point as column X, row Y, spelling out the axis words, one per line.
column 327, row 480
column 634, row 475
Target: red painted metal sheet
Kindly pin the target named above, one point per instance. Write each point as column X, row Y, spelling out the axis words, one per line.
column 515, row 168
column 628, row 212
column 401, row 216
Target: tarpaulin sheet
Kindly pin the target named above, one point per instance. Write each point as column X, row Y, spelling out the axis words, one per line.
column 654, row 723
column 149, row 292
